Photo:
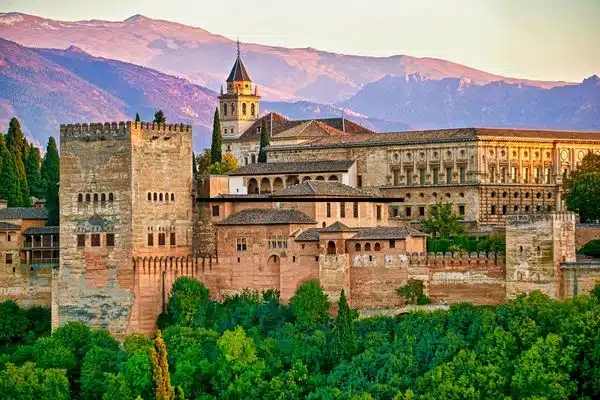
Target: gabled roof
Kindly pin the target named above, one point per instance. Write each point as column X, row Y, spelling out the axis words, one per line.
column 386, row 232
column 308, row 129
column 278, row 168
column 23, row 213
column 308, row 235
column 337, row 226
column 44, row 230
column 238, row 72
column 7, row 226
column 322, row 188
column 268, row 216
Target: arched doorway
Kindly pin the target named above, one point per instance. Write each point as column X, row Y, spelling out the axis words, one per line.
column 265, row 186
column 252, row 186
column 291, row 181
column 306, row 178
column 320, row 178
column 277, row 185
column 333, row 178
column 331, row 247
column 270, row 277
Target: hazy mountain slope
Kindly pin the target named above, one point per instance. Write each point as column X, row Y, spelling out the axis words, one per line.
column 455, row 102
column 205, row 58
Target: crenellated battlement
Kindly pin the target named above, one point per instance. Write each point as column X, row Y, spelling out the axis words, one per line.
column 558, row 216
column 116, row 130
column 430, row 260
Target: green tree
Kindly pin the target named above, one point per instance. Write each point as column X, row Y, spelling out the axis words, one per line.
column 187, row 297
column 9, row 177
column 264, row 143
column 97, row 362
column 203, row 161
column 137, row 117
column 17, row 146
column 344, row 341
column 413, row 292
column 13, row 322
column 310, row 306
column 159, row 117
column 29, row 382
column 228, row 163
column 441, row 221
column 160, row 370
column 194, row 165
column 34, row 175
column 582, row 196
column 50, row 177
column 217, row 140
column 590, row 164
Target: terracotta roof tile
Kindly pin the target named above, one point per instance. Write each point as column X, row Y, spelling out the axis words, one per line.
column 268, row 216
column 277, row 168
column 23, row 213
column 385, row 233
column 321, row 188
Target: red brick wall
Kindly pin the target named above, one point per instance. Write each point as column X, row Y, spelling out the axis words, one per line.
column 584, row 233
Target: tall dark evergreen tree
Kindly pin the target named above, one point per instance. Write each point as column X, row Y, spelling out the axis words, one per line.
column 344, row 340
column 32, row 169
column 9, row 187
column 50, row 177
column 137, row 117
column 217, row 140
column 194, row 165
column 17, row 145
column 159, row 117
column 264, row 143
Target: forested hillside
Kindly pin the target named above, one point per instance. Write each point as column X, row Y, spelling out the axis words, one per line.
column 250, row 346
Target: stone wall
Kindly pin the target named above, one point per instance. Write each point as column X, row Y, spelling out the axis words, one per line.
column 579, row 278
column 584, row 233
column 28, row 288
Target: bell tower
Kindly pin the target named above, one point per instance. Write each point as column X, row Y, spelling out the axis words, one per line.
column 239, row 105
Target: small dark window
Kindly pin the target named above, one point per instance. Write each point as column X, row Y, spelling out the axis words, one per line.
column 95, row 239
column 526, row 209
column 111, row 197
column 9, row 258
column 516, row 208
column 461, row 210
column 172, row 240
column 359, row 179
column 408, row 211
column 317, row 258
column 392, row 244
column 215, row 211
column 150, row 239
column 357, row 247
column 103, row 197
column 378, row 212
column 110, row 239
column 80, row 240
column 355, row 209
column 368, row 247
column 172, row 196
column 160, row 197
column 293, row 258
column 342, row 210
column 155, row 197
column 328, row 210
column 80, row 197
column 421, row 211
column 95, row 197
column 504, row 209
column 87, row 197
column 161, row 238
column 493, row 210
column 377, row 246
column 149, row 196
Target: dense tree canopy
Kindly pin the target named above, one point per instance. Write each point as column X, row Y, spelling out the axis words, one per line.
column 441, row 220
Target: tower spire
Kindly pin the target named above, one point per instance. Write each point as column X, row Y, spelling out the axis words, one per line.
column 238, row 47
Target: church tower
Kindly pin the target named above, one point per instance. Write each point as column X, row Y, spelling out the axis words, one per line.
column 238, row 106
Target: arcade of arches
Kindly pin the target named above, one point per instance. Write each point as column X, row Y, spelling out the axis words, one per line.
column 274, row 184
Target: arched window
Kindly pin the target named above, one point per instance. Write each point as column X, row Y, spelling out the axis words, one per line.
column 243, row 108
column 172, row 196
column 103, row 197
column 155, row 196
column 225, row 109
column 252, row 109
column 80, row 197
column 149, row 196
column 95, row 197
column 111, row 197
column 368, row 247
column 331, row 247
column 166, row 196
column 87, row 197
column 377, row 246
column 160, row 198
column 232, row 109
column 357, row 247
column 539, row 250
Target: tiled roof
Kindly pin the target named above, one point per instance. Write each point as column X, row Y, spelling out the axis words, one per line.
column 292, row 167
column 9, row 226
column 23, row 213
column 308, row 129
column 268, row 216
column 44, row 230
column 386, row 232
column 238, row 72
column 338, row 227
column 309, row 235
column 321, row 188
column 244, row 196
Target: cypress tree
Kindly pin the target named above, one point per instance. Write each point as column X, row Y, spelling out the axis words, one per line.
column 159, row 117
column 160, row 370
column 217, row 140
column 9, row 187
column 137, row 117
column 194, row 165
column 264, row 143
column 344, row 338
column 17, row 145
column 32, row 170
column 50, row 178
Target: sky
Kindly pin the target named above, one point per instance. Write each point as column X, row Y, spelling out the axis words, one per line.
column 534, row 39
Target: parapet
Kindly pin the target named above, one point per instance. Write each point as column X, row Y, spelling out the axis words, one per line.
column 430, row 260
column 554, row 216
column 154, row 127
column 95, row 131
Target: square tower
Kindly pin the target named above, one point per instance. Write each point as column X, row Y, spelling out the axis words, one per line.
column 125, row 194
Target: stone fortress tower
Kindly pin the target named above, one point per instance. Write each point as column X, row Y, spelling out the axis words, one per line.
column 126, row 193
column 239, row 105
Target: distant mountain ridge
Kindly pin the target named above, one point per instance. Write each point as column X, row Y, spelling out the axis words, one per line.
column 205, row 58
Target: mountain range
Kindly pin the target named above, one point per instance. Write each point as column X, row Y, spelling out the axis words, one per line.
column 62, row 71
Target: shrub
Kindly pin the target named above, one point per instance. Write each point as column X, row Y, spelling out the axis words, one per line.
column 413, row 292
column 591, row 248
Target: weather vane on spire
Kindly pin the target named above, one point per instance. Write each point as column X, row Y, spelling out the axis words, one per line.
column 238, row 46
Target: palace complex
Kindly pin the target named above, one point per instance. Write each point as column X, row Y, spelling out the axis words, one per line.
column 335, row 202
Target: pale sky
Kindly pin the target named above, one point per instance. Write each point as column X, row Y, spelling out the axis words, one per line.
column 536, row 39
